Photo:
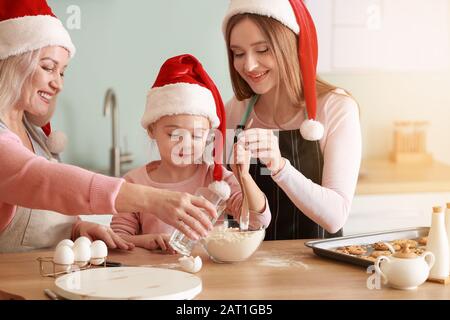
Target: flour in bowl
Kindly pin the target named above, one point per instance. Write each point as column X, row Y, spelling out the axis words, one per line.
column 231, row 244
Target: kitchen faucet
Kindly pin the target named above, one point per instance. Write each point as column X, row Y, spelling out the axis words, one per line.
column 116, row 157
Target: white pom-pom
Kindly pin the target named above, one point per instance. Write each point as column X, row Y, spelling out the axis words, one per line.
column 56, row 142
column 311, row 130
column 221, row 188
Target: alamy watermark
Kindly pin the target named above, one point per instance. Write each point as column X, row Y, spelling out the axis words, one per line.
column 374, row 281
column 73, row 20
column 196, row 146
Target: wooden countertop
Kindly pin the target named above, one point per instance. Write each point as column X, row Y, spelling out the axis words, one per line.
column 380, row 176
column 278, row 270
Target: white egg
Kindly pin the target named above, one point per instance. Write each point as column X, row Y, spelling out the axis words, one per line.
column 63, row 255
column 99, row 251
column 65, row 242
column 191, row 264
column 82, row 240
column 82, row 254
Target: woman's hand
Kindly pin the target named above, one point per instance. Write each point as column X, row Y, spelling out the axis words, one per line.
column 190, row 214
column 95, row 231
column 263, row 144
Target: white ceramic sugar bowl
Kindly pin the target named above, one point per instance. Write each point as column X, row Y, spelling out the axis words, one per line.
column 404, row 269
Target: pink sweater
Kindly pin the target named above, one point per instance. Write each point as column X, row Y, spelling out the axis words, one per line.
column 139, row 223
column 31, row 181
column 327, row 204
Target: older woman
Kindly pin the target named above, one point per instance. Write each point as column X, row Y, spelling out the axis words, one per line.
column 35, row 50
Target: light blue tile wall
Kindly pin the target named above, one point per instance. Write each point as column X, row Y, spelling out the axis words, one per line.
column 122, row 44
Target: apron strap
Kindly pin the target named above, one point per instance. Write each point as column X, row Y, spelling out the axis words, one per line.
column 250, row 106
column 241, row 126
column 32, row 131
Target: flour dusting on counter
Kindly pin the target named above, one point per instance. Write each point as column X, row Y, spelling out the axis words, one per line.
column 285, row 261
column 162, row 265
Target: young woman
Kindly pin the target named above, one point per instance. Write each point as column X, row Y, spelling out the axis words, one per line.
column 305, row 133
column 34, row 52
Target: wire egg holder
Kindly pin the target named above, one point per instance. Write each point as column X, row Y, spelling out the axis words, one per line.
column 65, row 268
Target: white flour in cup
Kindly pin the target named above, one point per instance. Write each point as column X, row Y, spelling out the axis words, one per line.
column 231, row 245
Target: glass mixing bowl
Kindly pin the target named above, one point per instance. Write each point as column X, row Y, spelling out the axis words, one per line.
column 226, row 243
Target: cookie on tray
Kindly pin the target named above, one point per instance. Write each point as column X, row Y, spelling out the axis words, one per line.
column 419, row 250
column 380, row 246
column 351, row 250
column 378, row 253
column 356, row 250
column 370, row 258
column 423, row 241
column 342, row 250
column 412, row 243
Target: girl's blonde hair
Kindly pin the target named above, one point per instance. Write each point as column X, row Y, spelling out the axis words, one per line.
column 283, row 43
column 15, row 73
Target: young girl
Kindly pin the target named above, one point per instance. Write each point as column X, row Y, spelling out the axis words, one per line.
column 182, row 106
column 313, row 163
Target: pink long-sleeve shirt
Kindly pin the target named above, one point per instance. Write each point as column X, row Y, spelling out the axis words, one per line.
column 327, row 204
column 32, row 181
column 140, row 223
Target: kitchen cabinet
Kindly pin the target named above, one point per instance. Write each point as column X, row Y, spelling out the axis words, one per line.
column 392, row 196
column 362, row 35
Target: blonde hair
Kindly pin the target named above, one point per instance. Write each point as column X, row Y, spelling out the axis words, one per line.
column 283, row 43
column 15, row 73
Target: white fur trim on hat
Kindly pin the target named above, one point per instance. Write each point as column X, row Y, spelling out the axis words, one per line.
column 280, row 10
column 29, row 33
column 179, row 98
column 311, row 130
column 221, row 188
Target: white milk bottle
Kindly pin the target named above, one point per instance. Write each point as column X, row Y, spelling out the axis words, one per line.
column 438, row 244
column 447, row 223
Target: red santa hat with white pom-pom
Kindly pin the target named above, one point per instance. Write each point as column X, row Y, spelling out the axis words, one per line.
column 56, row 140
column 294, row 15
column 27, row 25
column 183, row 87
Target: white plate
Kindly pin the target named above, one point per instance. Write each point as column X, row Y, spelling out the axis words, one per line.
column 136, row 283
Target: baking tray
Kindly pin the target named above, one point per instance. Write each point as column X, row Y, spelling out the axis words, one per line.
column 325, row 247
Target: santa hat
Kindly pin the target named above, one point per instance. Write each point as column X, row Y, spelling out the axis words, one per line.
column 294, row 15
column 27, row 25
column 184, row 87
column 56, row 140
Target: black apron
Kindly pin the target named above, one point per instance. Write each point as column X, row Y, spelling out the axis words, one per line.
column 288, row 222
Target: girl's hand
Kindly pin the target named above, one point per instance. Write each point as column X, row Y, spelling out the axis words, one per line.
column 263, row 144
column 157, row 242
column 241, row 160
column 95, row 231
